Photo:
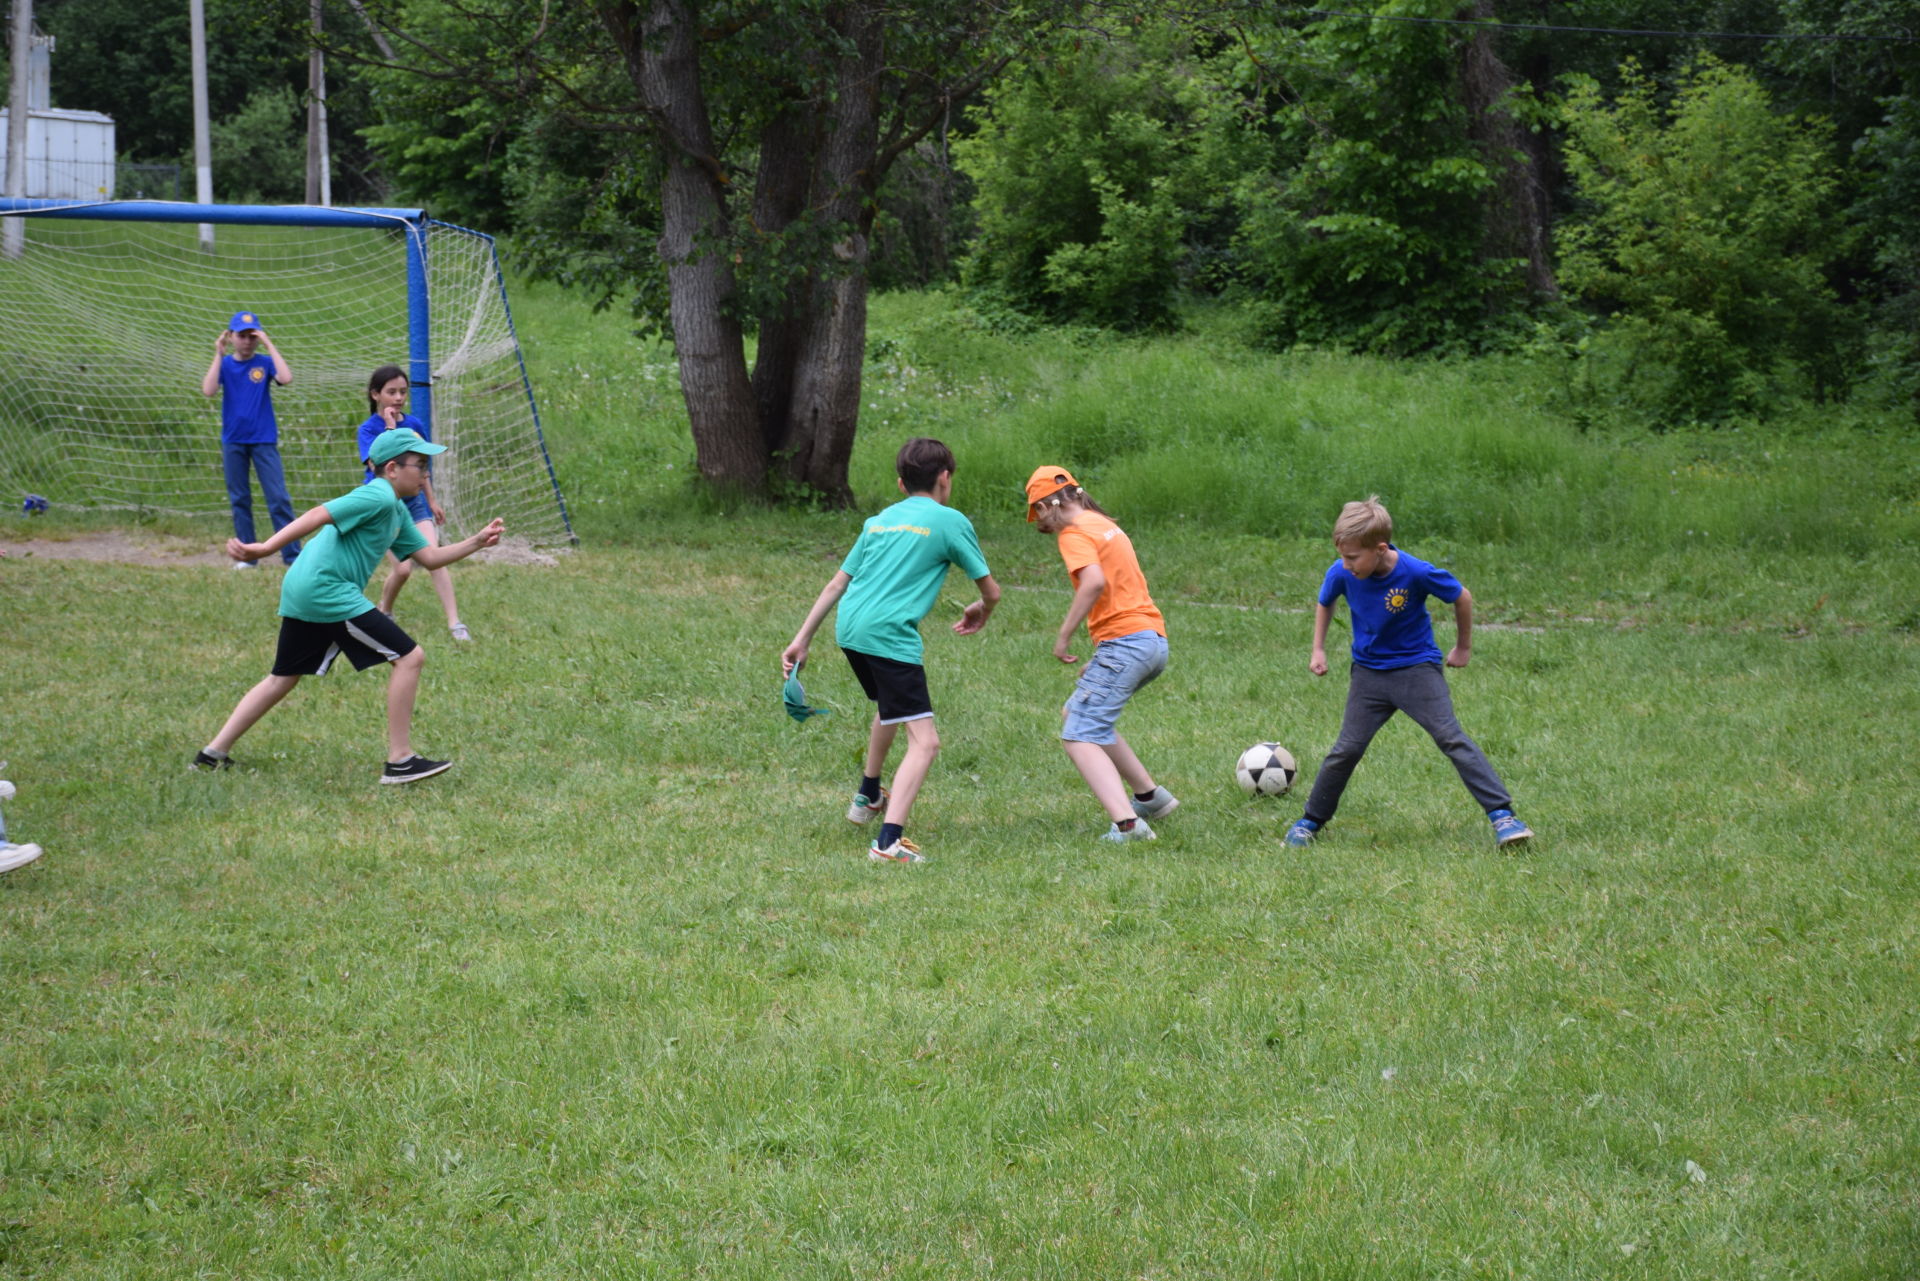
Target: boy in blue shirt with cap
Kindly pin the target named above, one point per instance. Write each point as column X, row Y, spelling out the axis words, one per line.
column 249, row 436
column 1396, row 666
column 324, row 610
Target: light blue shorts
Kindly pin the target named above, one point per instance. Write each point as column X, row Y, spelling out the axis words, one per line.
column 1118, row 668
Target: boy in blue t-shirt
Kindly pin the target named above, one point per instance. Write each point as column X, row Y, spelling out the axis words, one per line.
column 1396, row 666
column 249, row 437
column 889, row 581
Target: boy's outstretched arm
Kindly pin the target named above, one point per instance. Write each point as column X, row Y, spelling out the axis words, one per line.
column 975, row 616
column 439, row 557
column 1462, row 630
column 306, row 523
column 281, row 373
column 796, row 651
column 1322, row 616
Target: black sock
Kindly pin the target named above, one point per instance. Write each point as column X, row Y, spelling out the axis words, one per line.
column 1146, row 795
column 889, row 833
column 1125, row 824
column 870, row 788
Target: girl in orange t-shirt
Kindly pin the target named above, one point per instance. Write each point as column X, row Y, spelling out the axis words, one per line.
column 1130, row 649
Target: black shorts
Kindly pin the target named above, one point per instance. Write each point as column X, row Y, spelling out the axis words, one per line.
column 899, row 689
column 308, row 649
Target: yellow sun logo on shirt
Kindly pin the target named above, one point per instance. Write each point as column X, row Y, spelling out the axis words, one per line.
column 257, row 375
column 1396, row 600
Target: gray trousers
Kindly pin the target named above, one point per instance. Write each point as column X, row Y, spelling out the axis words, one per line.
column 1372, row 699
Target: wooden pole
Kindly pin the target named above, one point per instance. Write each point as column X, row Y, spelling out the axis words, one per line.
column 319, row 177
column 202, row 131
column 13, row 237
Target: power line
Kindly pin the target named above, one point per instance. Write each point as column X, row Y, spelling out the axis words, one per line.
column 1609, row 31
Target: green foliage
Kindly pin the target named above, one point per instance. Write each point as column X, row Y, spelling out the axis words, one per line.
column 1707, row 224
column 260, row 151
column 1361, row 225
column 1890, row 209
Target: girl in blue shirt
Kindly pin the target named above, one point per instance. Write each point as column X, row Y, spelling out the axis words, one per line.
column 387, row 405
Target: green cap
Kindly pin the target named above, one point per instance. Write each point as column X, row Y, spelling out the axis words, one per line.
column 389, row 445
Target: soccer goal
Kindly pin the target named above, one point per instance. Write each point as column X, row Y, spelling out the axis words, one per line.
column 108, row 316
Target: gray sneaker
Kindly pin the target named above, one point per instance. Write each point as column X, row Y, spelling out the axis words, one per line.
column 1140, row 832
column 12, row 856
column 1160, row 804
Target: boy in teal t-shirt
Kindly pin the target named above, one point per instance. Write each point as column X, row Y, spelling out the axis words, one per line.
column 884, row 588
column 324, row 610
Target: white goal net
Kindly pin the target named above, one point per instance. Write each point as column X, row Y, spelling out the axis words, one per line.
column 107, row 326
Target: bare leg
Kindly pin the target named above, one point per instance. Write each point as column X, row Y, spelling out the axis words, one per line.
column 396, row 579
column 879, row 743
column 923, row 744
column 1098, row 769
column 402, row 685
column 1128, row 764
column 254, row 704
column 441, row 579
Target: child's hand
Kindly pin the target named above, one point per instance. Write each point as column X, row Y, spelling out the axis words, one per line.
column 792, row 656
column 1457, row 657
column 972, row 619
column 220, row 343
column 245, row 551
column 1060, row 651
column 1318, row 663
column 491, row 534
column 439, row 513
column 392, row 414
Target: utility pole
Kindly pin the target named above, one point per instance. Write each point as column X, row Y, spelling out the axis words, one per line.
column 319, row 177
column 13, row 238
column 202, row 143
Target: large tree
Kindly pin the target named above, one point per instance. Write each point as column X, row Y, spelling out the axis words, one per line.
column 750, row 138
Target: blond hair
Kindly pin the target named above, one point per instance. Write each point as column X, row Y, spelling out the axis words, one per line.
column 1363, row 524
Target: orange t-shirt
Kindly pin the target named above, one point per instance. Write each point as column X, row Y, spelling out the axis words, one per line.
column 1124, row 607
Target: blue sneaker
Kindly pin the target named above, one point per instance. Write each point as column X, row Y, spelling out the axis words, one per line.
column 1301, row 834
column 1508, row 830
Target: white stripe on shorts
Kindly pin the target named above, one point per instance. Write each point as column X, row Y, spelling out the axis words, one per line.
column 326, row 660
column 370, row 642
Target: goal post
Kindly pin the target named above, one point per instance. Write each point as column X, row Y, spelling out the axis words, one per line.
column 107, row 324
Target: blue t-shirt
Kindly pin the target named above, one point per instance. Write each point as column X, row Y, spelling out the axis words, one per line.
column 246, row 400
column 897, row 565
column 1390, row 624
column 376, row 424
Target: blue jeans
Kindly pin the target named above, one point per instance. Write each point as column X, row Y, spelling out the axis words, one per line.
column 1118, row 668
column 265, row 460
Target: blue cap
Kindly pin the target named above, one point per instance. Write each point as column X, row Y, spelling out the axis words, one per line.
column 389, row 445
column 243, row 320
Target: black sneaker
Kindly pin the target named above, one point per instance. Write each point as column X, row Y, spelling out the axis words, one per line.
column 413, row 769
column 203, row 761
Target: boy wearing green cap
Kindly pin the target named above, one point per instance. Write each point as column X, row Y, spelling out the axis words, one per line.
column 324, row 610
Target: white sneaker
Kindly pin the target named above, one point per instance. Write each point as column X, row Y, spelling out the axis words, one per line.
column 12, row 856
column 246, row 564
column 459, row 632
column 862, row 810
column 1140, row 832
column 1162, row 802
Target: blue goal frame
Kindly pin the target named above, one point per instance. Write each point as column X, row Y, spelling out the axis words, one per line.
column 414, row 221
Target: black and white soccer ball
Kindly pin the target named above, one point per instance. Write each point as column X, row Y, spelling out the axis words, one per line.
column 1265, row 769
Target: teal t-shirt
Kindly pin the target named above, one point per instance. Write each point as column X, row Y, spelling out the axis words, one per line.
column 328, row 583
column 897, row 565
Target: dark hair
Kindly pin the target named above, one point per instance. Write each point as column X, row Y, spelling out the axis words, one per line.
column 381, row 377
column 920, row 462
column 415, row 456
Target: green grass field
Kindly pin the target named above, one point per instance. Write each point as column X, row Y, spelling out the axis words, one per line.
column 619, row 996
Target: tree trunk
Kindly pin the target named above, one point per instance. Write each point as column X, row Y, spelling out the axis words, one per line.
column 1516, row 225
column 662, row 57
column 825, row 407
column 787, row 150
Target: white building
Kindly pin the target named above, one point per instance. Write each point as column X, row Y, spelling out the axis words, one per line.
column 69, row 153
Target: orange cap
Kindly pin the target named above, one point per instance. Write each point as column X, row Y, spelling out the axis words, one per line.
column 1045, row 482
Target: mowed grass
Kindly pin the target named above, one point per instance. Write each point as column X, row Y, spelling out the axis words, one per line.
column 620, row 995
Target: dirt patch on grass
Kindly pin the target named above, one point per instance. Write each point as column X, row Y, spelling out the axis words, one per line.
column 114, row 546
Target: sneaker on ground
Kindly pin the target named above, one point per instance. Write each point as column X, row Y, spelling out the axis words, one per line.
column 203, row 761
column 1302, row 832
column 246, row 564
column 863, row 810
column 1161, row 803
column 459, row 632
column 413, row 769
column 1139, row 832
column 12, row 856
column 1508, row 830
column 901, row 851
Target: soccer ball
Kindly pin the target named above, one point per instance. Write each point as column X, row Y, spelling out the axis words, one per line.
column 1265, row 769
